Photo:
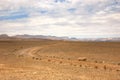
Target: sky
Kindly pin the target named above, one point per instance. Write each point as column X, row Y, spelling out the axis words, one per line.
column 72, row 18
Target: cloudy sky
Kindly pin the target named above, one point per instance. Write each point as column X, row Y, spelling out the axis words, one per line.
column 73, row 18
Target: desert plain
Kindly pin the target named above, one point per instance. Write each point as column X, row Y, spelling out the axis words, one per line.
column 59, row 60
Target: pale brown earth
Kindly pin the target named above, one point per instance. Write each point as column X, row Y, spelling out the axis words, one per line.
column 58, row 60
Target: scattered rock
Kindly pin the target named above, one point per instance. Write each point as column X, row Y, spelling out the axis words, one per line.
column 119, row 64
column 118, row 70
column 82, row 59
column 34, row 73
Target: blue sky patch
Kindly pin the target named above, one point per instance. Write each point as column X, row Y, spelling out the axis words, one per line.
column 72, row 9
column 13, row 17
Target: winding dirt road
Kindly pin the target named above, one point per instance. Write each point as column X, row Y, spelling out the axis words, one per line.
column 29, row 51
column 32, row 52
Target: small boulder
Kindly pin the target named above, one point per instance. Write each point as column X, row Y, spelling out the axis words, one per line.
column 82, row 59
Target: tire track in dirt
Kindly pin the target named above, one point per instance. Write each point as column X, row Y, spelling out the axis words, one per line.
column 32, row 52
column 29, row 51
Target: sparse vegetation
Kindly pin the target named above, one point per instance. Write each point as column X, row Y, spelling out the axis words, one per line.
column 105, row 67
column 96, row 67
column 59, row 60
column 80, row 65
column 68, row 58
column 49, row 60
column 119, row 64
column 118, row 70
column 33, row 57
column 37, row 58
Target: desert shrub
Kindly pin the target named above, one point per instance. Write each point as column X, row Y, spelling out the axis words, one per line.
column 61, row 62
column 40, row 59
column 62, row 58
column 75, row 65
column 80, row 65
column 118, row 70
column 102, row 61
column 105, row 67
column 33, row 57
column 53, row 56
column 37, row 58
column 96, row 67
column 119, row 64
column 20, row 56
column 68, row 58
column 21, row 47
column 49, row 60
column 96, row 61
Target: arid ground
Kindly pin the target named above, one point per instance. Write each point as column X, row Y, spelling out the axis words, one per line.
column 59, row 60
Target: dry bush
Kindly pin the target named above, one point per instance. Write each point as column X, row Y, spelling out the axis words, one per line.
column 105, row 67
column 37, row 58
column 96, row 67
column 62, row 58
column 102, row 61
column 80, row 65
column 119, row 64
column 96, row 61
column 68, row 58
column 20, row 56
column 40, row 59
column 21, row 47
column 49, row 60
column 33, row 57
column 75, row 65
column 118, row 70
column 61, row 62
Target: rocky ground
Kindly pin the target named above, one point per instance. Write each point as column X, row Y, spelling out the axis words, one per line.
column 59, row 60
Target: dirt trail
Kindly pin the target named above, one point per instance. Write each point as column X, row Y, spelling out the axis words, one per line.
column 29, row 51
column 32, row 52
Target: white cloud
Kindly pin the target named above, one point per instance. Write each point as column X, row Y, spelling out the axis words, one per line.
column 89, row 17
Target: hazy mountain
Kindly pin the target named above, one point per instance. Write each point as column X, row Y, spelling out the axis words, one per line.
column 25, row 36
column 100, row 39
column 4, row 36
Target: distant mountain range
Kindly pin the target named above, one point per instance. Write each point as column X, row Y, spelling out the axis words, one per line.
column 39, row 37
column 35, row 37
column 25, row 36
